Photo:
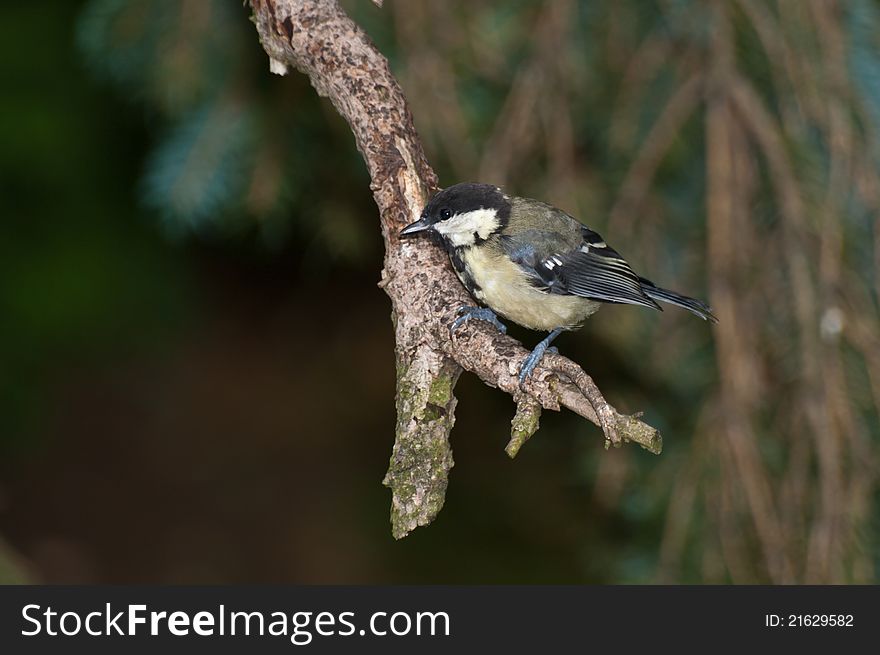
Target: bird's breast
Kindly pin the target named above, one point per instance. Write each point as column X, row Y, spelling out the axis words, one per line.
column 497, row 282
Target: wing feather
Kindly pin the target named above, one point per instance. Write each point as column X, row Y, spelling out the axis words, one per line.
column 588, row 268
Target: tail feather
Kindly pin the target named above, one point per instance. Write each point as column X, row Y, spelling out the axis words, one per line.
column 698, row 307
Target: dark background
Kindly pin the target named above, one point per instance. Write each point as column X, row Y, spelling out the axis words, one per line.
column 196, row 364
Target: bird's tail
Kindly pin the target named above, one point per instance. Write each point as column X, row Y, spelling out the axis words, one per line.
column 698, row 307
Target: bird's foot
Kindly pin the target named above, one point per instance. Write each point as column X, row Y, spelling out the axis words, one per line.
column 482, row 313
column 535, row 357
column 531, row 362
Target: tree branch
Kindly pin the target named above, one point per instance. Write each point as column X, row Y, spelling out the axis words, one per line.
column 320, row 40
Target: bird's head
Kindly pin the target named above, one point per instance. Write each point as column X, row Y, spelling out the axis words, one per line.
column 464, row 214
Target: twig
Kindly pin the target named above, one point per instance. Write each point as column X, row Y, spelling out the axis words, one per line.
column 524, row 424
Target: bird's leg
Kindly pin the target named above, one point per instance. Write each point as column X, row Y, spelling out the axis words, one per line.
column 533, row 359
column 481, row 313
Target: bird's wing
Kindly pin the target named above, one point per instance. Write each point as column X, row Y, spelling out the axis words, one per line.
column 584, row 267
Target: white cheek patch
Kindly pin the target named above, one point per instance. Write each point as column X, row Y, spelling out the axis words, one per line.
column 461, row 228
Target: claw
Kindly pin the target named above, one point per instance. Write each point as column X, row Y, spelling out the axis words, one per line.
column 532, row 360
column 482, row 313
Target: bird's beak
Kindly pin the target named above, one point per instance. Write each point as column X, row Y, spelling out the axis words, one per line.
column 419, row 226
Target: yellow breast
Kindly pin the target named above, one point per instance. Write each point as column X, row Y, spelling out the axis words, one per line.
column 504, row 288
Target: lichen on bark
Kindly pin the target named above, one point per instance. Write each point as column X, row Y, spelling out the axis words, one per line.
column 418, row 472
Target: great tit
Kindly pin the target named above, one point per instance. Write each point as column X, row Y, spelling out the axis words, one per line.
column 533, row 264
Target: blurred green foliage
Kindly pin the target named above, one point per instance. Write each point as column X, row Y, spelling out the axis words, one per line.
column 236, row 149
column 79, row 269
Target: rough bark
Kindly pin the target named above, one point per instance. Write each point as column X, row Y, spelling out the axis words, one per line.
column 319, row 39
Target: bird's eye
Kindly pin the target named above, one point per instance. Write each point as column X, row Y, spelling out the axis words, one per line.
column 445, row 214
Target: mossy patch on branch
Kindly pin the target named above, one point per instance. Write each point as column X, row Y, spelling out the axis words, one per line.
column 422, row 456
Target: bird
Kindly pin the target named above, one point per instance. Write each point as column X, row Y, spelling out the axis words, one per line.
column 533, row 264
